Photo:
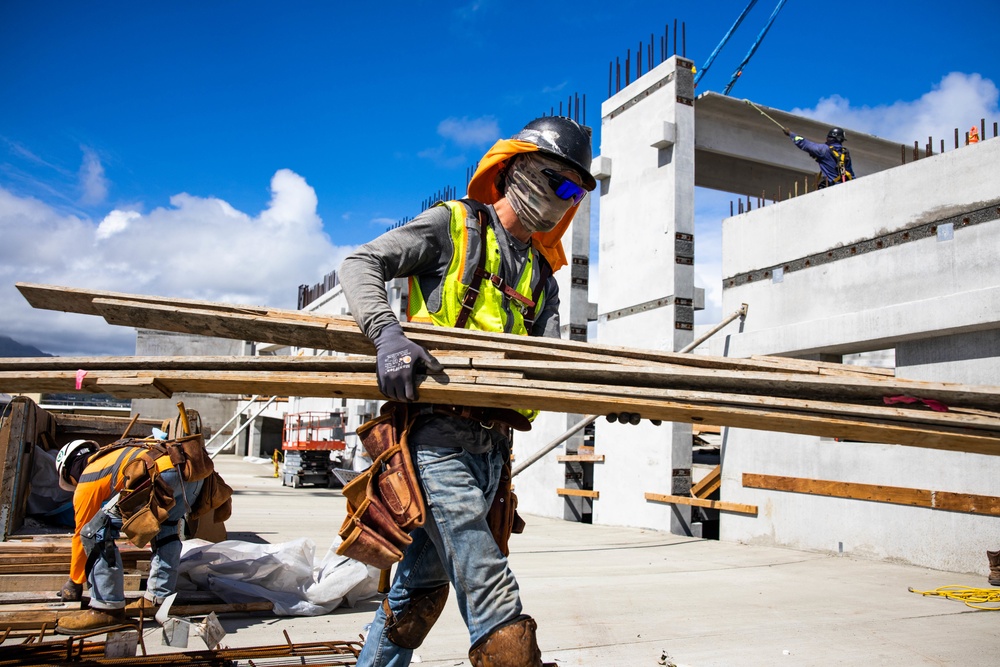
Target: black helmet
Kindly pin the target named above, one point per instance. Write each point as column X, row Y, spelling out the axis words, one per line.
column 564, row 139
column 836, row 134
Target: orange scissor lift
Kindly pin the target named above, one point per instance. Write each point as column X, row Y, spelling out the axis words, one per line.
column 307, row 440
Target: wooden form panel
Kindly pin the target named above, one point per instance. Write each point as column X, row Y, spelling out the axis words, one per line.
column 939, row 500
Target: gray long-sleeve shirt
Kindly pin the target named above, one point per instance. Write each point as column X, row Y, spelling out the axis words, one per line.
column 423, row 248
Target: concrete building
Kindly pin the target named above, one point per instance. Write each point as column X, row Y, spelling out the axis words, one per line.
column 902, row 259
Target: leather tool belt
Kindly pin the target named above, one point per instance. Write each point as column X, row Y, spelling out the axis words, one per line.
column 503, row 418
column 384, row 503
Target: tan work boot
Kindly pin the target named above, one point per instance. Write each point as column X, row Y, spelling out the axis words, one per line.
column 510, row 645
column 91, row 620
column 994, row 557
column 144, row 605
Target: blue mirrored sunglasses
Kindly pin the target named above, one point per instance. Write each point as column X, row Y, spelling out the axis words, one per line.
column 564, row 188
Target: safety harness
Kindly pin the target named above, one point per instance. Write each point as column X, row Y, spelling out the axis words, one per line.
column 840, row 156
column 472, row 293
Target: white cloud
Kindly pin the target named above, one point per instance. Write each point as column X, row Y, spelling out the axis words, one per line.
column 197, row 247
column 115, row 222
column 93, row 184
column 467, row 131
column 959, row 101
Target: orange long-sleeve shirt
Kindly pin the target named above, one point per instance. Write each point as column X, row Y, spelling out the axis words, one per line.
column 100, row 480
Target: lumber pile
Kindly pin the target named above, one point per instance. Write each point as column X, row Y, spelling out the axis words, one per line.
column 32, row 570
column 498, row 370
column 36, row 568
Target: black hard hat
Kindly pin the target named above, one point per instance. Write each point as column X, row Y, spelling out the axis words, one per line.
column 836, row 134
column 564, row 139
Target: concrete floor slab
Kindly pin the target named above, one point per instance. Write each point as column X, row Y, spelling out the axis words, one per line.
column 618, row 596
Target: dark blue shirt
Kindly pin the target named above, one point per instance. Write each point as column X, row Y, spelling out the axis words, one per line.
column 825, row 158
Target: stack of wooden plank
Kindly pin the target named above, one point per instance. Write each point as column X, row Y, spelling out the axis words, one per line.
column 498, row 370
column 32, row 570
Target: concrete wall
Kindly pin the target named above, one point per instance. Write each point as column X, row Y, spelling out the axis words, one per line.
column 646, row 172
column 890, row 257
column 903, row 259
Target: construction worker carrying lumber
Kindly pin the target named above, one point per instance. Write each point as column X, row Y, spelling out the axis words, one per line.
column 483, row 263
column 833, row 159
column 141, row 488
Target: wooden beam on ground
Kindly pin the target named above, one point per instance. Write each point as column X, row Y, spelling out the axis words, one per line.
column 698, row 502
column 967, row 503
column 28, row 620
column 22, row 583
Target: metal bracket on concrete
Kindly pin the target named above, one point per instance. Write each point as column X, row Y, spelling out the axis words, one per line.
column 662, row 302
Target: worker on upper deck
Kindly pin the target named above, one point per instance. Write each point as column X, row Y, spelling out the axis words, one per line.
column 833, row 159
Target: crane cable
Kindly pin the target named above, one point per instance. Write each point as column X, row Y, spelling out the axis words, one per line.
column 725, row 38
column 753, row 49
column 972, row 597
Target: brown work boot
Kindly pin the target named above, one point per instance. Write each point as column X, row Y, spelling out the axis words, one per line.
column 91, row 620
column 994, row 557
column 144, row 605
column 510, row 645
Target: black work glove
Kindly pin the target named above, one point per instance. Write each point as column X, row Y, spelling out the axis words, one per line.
column 71, row 591
column 398, row 361
column 630, row 418
column 787, row 132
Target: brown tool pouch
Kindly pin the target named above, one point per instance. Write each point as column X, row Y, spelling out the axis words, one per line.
column 189, row 456
column 502, row 517
column 144, row 508
column 384, row 503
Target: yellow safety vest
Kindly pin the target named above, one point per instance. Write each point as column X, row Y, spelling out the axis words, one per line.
column 496, row 306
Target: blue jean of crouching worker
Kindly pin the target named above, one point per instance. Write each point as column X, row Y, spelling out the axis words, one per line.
column 107, row 577
column 459, row 462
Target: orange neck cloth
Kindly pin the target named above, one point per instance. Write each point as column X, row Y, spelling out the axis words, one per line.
column 482, row 189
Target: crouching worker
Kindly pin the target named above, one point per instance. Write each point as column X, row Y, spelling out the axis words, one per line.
column 142, row 488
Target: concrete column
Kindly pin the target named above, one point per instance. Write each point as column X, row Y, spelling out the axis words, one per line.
column 646, row 171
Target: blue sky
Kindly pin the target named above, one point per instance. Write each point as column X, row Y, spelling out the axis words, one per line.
column 234, row 150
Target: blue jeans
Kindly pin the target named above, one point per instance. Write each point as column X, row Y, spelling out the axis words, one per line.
column 166, row 546
column 455, row 544
column 107, row 577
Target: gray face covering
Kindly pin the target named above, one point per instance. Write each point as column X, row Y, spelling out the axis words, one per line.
column 538, row 208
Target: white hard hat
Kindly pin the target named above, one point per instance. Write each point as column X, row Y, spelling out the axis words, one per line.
column 65, row 458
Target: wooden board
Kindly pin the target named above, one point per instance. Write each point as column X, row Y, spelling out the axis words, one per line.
column 708, row 484
column 582, row 493
column 580, row 458
column 21, row 583
column 26, row 620
column 940, row 500
column 739, row 508
column 886, row 424
column 145, row 309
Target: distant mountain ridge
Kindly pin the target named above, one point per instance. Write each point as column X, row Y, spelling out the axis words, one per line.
column 11, row 348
